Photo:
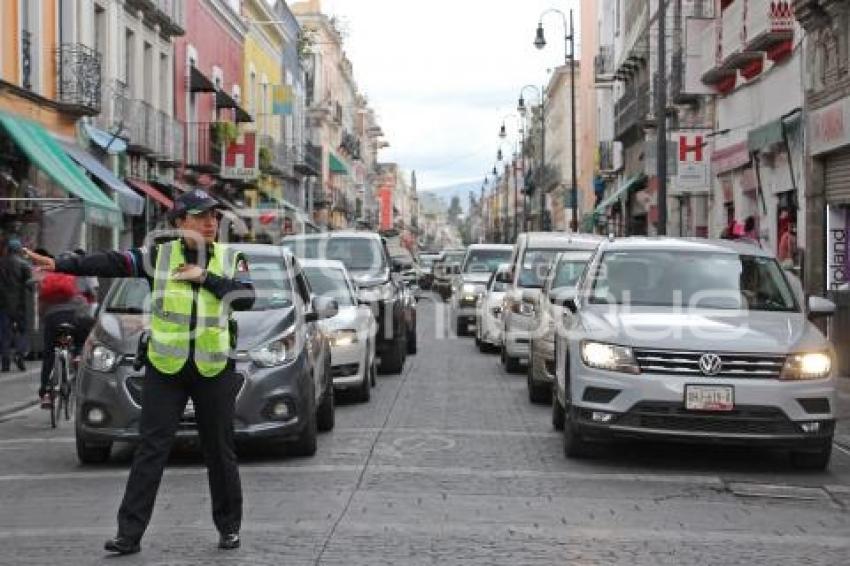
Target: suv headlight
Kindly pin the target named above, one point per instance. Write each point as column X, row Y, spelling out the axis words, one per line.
column 280, row 351
column 378, row 293
column 609, row 357
column 811, row 365
column 344, row 337
column 101, row 358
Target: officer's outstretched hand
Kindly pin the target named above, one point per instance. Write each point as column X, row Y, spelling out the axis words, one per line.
column 189, row 272
column 40, row 261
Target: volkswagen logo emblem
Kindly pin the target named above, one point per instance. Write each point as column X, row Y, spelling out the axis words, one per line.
column 710, row 364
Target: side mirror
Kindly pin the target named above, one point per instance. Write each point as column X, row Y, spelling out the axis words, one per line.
column 323, row 308
column 503, row 277
column 820, row 307
column 565, row 300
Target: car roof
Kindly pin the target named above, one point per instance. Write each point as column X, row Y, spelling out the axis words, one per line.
column 334, row 234
column 705, row 245
column 490, row 247
column 559, row 239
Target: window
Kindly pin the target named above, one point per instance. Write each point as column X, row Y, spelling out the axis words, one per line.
column 129, row 60
column 330, row 282
column 478, row 261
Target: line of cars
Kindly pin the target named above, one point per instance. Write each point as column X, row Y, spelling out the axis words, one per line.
column 332, row 310
column 682, row 340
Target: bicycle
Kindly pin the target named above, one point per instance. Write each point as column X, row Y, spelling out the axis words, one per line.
column 63, row 375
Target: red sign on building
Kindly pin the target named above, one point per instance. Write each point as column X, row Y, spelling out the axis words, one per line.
column 385, row 201
column 240, row 160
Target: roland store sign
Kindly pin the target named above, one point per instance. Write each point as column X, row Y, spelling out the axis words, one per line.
column 837, row 265
column 241, row 160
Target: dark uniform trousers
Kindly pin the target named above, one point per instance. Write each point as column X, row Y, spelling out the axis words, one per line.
column 164, row 399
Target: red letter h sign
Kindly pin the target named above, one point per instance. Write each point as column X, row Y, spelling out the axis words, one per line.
column 685, row 149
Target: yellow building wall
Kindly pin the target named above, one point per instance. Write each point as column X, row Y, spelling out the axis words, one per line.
column 266, row 64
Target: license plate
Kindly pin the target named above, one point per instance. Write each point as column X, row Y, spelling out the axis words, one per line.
column 709, row 398
column 189, row 411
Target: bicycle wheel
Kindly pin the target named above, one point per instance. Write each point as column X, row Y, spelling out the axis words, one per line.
column 68, row 390
column 53, row 391
column 58, row 393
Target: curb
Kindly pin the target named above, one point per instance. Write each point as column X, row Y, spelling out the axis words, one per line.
column 15, row 407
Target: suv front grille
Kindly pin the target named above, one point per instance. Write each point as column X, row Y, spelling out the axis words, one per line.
column 671, row 362
column 742, row 420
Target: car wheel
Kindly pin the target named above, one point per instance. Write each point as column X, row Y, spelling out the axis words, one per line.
column 460, row 326
column 325, row 412
column 393, row 360
column 813, row 460
column 373, row 372
column 538, row 393
column 364, row 393
column 88, row 453
column 511, row 363
column 307, row 443
column 575, row 446
column 411, row 340
column 558, row 414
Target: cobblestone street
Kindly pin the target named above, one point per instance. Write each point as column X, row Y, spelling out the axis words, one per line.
column 448, row 464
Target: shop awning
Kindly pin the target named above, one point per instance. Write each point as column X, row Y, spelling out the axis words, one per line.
column 224, row 100
column 113, row 145
column 198, row 82
column 336, row 165
column 629, row 185
column 152, row 192
column 45, row 152
column 770, row 133
column 130, row 202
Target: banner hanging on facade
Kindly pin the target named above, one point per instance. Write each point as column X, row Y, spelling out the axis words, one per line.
column 282, row 100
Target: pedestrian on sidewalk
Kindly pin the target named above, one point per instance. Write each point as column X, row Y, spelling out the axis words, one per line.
column 196, row 283
column 15, row 279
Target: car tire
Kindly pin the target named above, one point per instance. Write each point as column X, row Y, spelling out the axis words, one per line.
column 575, row 446
column 307, row 442
column 411, row 340
column 364, row 392
column 559, row 416
column 538, row 393
column 393, row 360
column 88, row 453
column 511, row 363
column 817, row 460
column 325, row 412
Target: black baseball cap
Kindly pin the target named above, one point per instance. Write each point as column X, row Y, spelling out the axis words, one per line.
column 193, row 202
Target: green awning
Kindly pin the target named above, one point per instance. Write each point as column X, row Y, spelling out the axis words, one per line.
column 770, row 133
column 46, row 153
column 336, row 165
column 630, row 184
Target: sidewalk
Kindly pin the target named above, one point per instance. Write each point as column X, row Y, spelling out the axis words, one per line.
column 18, row 389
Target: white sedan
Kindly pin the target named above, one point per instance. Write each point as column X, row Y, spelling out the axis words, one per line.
column 352, row 331
column 488, row 315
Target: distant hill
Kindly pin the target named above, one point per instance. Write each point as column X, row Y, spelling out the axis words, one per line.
column 460, row 190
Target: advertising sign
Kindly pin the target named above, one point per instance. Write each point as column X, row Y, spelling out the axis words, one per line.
column 385, row 200
column 692, row 163
column 836, row 248
column 241, row 160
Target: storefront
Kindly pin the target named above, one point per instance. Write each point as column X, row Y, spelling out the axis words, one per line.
column 829, row 199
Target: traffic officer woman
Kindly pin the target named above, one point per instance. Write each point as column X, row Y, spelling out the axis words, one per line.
column 196, row 282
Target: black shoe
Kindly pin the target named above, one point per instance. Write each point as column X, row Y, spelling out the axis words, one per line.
column 229, row 541
column 19, row 361
column 122, row 545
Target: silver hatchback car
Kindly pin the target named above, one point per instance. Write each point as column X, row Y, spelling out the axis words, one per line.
column 696, row 341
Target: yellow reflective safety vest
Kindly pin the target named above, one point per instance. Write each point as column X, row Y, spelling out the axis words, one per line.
column 171, row 314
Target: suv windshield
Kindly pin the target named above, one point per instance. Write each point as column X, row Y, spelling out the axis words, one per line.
column 692, row 279
column 357, row 254
column 535, row 264
column 485, row 261
column 330, row 282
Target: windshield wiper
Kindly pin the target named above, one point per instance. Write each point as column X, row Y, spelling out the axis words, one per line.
column 125, row 310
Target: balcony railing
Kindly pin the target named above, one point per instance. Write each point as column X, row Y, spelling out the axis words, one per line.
column 115, row 107
column 203, row 148
column 169, row 138
column 604, row 64
column 768, row 23
column 308, row 161
column 276, row 158
column 142, row 128
column 170, row 15
column 631, row 110
column 79, row 81
column 26, row 59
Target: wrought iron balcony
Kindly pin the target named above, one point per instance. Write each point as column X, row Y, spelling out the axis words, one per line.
column 79, row 82
column 604, row 64
column 142, row 128
column 169, row 139
column 115, row 108
column 631, row 110
column 170, row 15
column 309, row 160
column 26, row 59
column 321, row 197
column 203, row 147
column 275, row 158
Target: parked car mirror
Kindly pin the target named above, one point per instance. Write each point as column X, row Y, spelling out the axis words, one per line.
column 504, row 277
column 323, row 308
column 564, row 299
column 819, row 307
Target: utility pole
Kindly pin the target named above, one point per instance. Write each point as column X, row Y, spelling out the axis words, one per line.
column 661, row 117
column 574, row 133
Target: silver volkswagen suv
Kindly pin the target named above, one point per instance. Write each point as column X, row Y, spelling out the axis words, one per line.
column 697, row 341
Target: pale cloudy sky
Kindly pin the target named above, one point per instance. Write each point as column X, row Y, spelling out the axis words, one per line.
column 441, row 74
